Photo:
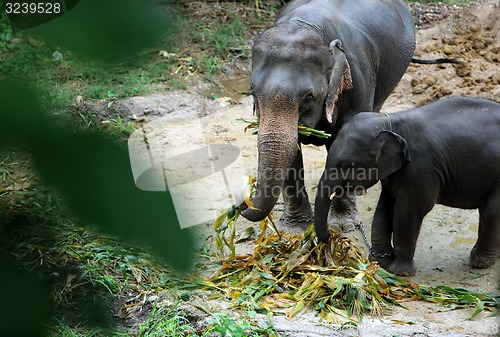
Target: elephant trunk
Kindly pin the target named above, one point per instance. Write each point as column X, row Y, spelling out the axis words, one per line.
column 277, row 146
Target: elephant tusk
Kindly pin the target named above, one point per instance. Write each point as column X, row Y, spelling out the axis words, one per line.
column 332, row 195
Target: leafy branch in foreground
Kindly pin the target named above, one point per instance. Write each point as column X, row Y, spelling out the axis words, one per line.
column 227, row 219
column 302, row 129
column 288, row 273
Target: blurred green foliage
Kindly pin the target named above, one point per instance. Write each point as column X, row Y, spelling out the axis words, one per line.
column 90, row 170
column 107, row 31
column 200, row 45
column 61, row 74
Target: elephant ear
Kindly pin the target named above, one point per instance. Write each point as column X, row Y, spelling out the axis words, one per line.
column 393, row 154
column 340, row 79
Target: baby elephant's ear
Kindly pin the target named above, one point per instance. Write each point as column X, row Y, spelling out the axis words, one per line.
column 393, row 153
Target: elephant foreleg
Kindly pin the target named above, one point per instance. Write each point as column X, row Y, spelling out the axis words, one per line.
column 297, row 209
column 381, row 232
column 409, row 212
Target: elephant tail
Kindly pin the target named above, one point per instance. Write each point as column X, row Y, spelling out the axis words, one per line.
column 435, row 61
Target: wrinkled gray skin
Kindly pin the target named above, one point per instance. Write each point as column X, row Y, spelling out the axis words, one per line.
column 321, row 63
column 447, row 152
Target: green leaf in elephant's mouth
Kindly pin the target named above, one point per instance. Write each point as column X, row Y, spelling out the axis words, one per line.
column 253, row 125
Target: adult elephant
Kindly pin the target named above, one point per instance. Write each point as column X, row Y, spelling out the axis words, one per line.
column 322, row 62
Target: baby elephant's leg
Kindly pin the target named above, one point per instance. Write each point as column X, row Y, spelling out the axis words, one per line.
column 381, row 235
column 409, row 211
column 487, row 247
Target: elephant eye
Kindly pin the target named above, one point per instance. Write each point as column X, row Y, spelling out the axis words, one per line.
column 308, row 98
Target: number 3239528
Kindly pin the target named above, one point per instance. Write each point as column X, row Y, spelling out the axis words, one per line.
column 32, row 8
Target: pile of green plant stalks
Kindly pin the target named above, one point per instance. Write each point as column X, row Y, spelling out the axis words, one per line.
column 287, row 273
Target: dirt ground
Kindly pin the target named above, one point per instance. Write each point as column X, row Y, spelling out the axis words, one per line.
column 471, row 34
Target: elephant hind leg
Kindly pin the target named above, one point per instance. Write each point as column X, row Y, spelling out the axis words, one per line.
column 487, row 248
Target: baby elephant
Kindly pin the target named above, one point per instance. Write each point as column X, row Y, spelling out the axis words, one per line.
column 447, row 152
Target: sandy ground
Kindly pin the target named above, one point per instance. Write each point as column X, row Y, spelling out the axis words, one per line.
column 447, row 235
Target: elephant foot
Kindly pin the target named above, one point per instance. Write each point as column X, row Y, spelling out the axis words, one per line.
column 297, row 222
column 481, row 260
column 297, row 216
column 402, row 268
column 383, row 262
column 343, row 214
